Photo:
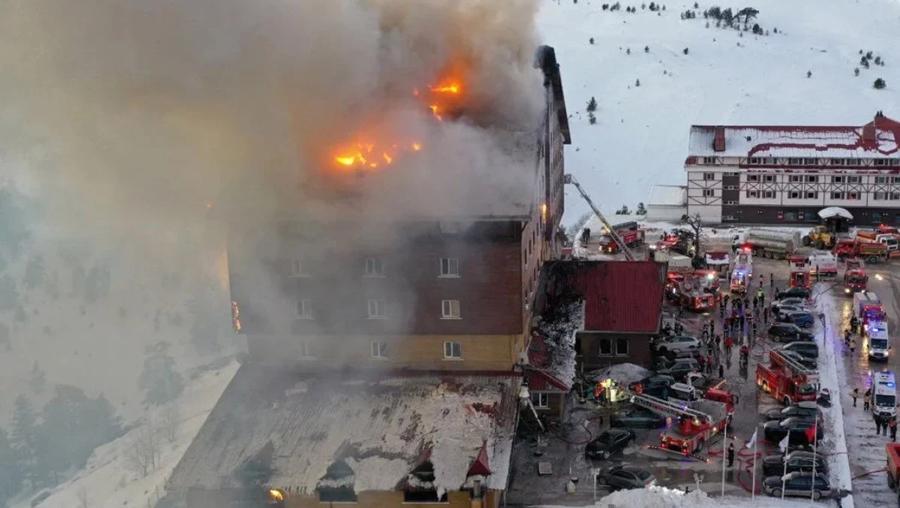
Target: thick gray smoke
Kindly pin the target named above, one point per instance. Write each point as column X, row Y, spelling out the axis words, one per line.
column 144, row 128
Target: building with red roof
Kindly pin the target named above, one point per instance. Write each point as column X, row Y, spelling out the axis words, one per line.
column 772, row 174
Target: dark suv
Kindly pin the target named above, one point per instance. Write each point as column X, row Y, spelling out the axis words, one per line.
column 802, row 319
column 793, row 292
column 788, row 332
column 803, row 348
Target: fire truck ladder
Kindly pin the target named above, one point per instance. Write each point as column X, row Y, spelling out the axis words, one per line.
column 668, row 408
column 795, row 366
column 612, row 232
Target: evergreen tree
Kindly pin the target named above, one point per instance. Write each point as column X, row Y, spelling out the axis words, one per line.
column 159, row 380
column 592, row 105
column 37, row 380
column 23, row 438
column 879, row 84
column 641, row 210
column 10, row 474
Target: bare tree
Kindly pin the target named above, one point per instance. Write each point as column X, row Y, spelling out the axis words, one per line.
column 142, row 452
column 169, row 421
column 696, row 225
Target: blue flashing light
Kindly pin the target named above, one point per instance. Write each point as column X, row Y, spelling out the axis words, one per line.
column 890, row 385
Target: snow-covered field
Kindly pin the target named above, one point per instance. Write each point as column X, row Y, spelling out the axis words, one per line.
column 109, row 479
column 641, row 133
column 661, row 497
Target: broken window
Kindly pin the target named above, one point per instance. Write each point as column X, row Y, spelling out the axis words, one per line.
column 449, row 267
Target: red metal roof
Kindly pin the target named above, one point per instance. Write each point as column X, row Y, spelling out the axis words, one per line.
column 481, row 465
column 621, row 296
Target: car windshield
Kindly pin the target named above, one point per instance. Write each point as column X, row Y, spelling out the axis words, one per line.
column 878, row 343
column 807, row 389
column 643, row 475
column 885, row 400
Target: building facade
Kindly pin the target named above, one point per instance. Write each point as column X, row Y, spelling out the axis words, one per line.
column 786, row 174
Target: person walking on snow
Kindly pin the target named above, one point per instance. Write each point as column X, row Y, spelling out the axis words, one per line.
column 721, row 371
column 892, row 424
column 854, row 394
column 731, row 454
column 852, row 346
column 866, row 397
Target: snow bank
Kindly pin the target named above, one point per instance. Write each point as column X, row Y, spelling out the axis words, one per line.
column 662, row 497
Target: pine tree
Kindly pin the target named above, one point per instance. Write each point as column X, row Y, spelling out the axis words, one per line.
column 159, row 380
column 592, row 105
column 879, row 84
column 23, row 438
column 640, row 209
column 10, row 474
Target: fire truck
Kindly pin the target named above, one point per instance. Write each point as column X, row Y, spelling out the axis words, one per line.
column 799, row 276
column 693, row 424
column 867, row 307
column 697, row 291
column 855, row 278
column 872, row 252
column 629, row 232
column 786, row 380
column 741, row 273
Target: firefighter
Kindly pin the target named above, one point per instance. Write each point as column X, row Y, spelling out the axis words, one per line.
column 765, row 315
column 731, row 454
column 721, row 371
column 866, row 397
column 855, row 395
column 847, row 337
column 854, row 323
column 772, row 280
column 892, row 424
column 852, row 346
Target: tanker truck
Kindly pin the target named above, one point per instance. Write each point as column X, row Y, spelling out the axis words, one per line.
column 772, row 243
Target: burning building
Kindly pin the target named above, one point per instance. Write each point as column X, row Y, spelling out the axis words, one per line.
column 384, row 339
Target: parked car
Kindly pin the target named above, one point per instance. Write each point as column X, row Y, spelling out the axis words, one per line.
column 607, row 443
column 785, row 309
column 808, row 409
column 775, row 431
column 809, row 363
column 803, row 348
column 628, row 477
column 676, row 343
column 636, row 418
column 803, row 319
column 656, row 386
column 793, row 301
column 788, row 332
column 774, row 465
column 796, row 292
column 680, row 369
column 798, row 484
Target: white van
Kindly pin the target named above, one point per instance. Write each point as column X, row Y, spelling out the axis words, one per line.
column 879, row 340
column 822, row 262
column 885, row 390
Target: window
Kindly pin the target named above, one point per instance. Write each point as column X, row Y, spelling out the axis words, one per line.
column 837, row 162
column 709, row 160
column 374, row 267
column 853, row 162
column 622, row 347
column 895, row 196
column 853, row 179
column 452, row 350
column 754, row 160
column 709, row 193
column 794, row 194
column 709, row 176
column 876, row 216
column 304, row 309
column 837, row 179
column 812, row 178
column 879, row 196
column 450, row 309
column 606, row 347
column 305, row 349
column 853, row 195
column 837, row 195
column 614, row 347
column 540, row 400
column 769, row 194
column 895, row 179
column 881, row 162
column 881, row 179
column 790, row 216
column 795, row 161
column 376, row 309
column 796, row 178
column 812, row 195
column 752, row 178
column 769, row 178
column 449, row 267
column 731, row 202
column 379, row 349
column 753, row 194
column 810, row 161
column 296, row 268
column 731, row 187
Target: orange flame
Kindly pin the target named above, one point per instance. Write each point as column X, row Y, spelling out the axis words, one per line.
column 370, row 155
column 449, row 88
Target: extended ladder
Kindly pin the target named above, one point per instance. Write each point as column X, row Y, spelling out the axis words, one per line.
column 796, row 367
column 609, row 228
column 668, row 408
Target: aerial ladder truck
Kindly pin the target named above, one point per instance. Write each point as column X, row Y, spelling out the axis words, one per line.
column 609, row 229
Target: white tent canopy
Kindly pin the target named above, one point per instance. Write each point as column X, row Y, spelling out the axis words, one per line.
column 835, row 211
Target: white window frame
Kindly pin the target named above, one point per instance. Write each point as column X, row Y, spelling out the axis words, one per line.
column 810, row 161
column 879, row 196
column 795, row 178
column 881, row 179
column 812, row 178
column 709, row 193
column 374, row 267
column 447, row 309
column 837, row 179
column 378, row 350
column 452, row 350
column 811, row 195
column 305, row 350
column 752, row 194
column 895, row 179
column 794, row 195
column 768, row 194
column 895, row 196
column 854, row 195
column 709, row 160
column 854, row 179
column 452, row 268
column 837, row 195
column 769, row 178
column 836, row 162
column 297, row 268
column 709, row 176
column 795, row 161
column 752, row 178
column 304, row 308
column 543, row 400
column 375, row 309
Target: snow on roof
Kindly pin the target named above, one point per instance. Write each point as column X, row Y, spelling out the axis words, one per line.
column 662, row 497
column 835, row 211
column 877, row 139
column 667, row 195
column 622, row 373
column 552, row 351
column 380, row 429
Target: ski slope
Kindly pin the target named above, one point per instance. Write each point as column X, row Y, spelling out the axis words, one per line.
column 641, row 133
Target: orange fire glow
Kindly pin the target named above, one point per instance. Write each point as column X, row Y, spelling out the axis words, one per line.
column 365, row 155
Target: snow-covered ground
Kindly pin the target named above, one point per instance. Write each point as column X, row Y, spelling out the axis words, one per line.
column 641, row 133
column 109, row 479
column 661, row 497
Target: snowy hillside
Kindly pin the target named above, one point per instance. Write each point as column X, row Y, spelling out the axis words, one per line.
column 111, row 477
column 727, row 76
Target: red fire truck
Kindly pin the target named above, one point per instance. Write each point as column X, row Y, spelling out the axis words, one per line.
column 697, row 291
column 893, row 467
column 786, row 380
column 855, row 277
column 872, row 252
column 629, row 232
column 799, row 276
column 693, row 426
